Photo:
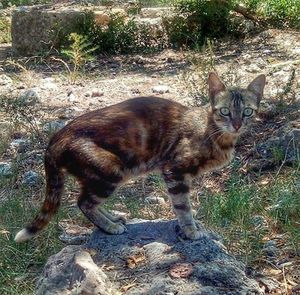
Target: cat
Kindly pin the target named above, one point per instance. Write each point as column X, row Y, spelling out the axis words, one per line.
column 106, row 147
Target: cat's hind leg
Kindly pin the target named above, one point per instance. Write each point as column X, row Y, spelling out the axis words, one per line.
column 90, row 205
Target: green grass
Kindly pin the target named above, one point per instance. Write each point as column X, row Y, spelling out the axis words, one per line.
column 20, row 264
column 233, row 213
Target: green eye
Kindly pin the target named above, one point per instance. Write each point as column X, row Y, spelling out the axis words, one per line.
column 248, row 112
column 225, row 111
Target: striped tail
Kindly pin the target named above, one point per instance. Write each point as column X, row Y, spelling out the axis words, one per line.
column 54, row 190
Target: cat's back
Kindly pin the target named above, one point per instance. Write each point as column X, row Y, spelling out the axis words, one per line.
column 150, row 117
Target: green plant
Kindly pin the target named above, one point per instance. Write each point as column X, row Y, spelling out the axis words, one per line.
column 196, row 20
column 118, row 37
column 5, row 28
column 278, row 13
column 79, row 52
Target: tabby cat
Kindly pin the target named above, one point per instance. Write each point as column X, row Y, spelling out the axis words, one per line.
column 106, row 147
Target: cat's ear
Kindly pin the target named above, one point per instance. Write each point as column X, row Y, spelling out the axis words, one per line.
column 215, row 86
column 257, row 87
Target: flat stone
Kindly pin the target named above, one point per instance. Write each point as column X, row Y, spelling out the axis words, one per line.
column 31, row 178
column 155, row 200
column 28, row 97
column 5, row 169
column 161, row 89
column 35, row 29
column 19, row 145
column 5, row 80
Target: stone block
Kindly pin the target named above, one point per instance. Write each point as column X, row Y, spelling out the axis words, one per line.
column 37, row 29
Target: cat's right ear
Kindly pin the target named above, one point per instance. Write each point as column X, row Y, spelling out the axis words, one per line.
column 215, row 86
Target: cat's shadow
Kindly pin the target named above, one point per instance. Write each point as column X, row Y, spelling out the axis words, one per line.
column 142, row 232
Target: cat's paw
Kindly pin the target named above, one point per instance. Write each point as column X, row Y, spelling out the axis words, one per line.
column 116, row 229
column 194, row 234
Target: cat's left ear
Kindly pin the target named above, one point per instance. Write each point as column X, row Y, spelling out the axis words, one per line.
column 215, row 86
column 257, row 87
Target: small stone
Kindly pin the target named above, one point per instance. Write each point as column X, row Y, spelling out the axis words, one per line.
column 28, row 98
column 53, row 126
column 49, row 84
column 259, row 221
column 97, row 93
column 161, row 89
column 253, row 68
column 72, row 97
column 270, row 248
column 5, row 169
column 31, row 178
column 155, row 200
column 5, row 80
column 19, row 145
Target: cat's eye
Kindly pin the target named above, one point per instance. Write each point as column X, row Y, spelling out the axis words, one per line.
column 248, row 112
column 224, row 111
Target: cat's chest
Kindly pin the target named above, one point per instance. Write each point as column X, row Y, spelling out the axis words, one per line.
column 217, row 160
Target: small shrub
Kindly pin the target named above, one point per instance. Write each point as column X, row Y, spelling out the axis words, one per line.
column 80, row 51
column 278, row 13
column 5, row 28
column 196, row 20
column 118, row 37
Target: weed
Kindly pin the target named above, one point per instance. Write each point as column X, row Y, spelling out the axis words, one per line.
column 79, row 53
column 5, row 28
column 195, row 78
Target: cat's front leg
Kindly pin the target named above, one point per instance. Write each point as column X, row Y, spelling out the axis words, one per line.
column 178, row 188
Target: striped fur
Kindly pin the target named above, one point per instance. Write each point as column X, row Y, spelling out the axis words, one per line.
column 106, row 147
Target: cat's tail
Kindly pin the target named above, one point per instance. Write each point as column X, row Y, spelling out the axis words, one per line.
column 54, row 190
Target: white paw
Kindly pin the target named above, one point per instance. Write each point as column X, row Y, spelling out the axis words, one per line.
column 115, row 229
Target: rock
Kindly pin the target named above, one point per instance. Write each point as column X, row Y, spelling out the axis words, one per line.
column 156, row 12
column 259, row 221
column 72, row 97
column 253, row 68
column 19, row 145
column 96, row 93
column 283, row 147
column 36, row 29
column 49, row 84
column 214, row 270
column 5, row 169
column 155, row 200
column 73, row 271
column 154, row 251
column 53, row 126
column 74, row 234
column 5, row 80
column 160, row 89
column 28, row 98
column 31, row 178
column 270, row 248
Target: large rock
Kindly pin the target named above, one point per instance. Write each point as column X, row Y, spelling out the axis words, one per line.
column 38, row 29
column 152, row 256
column 72, row 271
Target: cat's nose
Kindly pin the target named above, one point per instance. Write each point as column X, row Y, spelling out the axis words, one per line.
column 236, row 125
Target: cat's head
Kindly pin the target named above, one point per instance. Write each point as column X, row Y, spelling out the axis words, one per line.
column 234, row 108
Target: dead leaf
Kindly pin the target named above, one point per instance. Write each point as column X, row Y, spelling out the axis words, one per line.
column 181, row 270
column 134, row 260
column 127, row 287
